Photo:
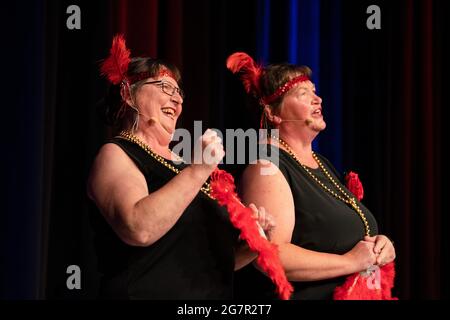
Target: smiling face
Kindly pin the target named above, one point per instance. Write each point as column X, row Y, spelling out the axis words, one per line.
column 303, row 104
column 158, row 105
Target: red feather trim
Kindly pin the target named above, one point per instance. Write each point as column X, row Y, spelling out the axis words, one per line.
column 223, row 190
column 375, row 286
column 249, row 71
column 116, row 65
column 354, row 185
column 378, row 284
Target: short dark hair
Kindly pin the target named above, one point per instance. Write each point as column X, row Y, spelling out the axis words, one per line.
column 276, row 75
column 273, row 77
column 112, row 112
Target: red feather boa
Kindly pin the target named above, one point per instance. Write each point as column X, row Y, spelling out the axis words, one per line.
column 375, row 284
column 223, row 190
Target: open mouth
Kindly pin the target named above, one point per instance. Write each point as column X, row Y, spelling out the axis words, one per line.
column 169, row 112
column 317, row 112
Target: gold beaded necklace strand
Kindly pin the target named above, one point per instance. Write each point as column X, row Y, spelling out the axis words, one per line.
column 206, row 188
column 344, row 197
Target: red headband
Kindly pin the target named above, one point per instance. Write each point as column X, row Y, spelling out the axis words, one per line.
column 283, row 89
column 143, row 75
column 250, row 73
column 115, row 67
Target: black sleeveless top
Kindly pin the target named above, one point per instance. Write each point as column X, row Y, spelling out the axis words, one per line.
column 322, row 223
column 193, row 260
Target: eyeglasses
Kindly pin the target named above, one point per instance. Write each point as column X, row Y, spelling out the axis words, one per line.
column 167, row 88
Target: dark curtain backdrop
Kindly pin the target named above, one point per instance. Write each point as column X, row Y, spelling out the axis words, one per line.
column 383, row 98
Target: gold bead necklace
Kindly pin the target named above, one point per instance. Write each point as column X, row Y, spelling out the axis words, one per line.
column 344, row 197
column 206, row 188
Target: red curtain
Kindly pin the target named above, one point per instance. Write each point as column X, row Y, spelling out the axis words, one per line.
column 419, row 219
column 392, row 93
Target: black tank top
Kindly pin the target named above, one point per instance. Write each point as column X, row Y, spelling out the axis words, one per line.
column 193, row 260
column 322, row 223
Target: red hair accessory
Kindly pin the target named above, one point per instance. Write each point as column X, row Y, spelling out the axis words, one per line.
column 375, row 284
column 283, row 89
column 116, row 65
column 354, row 185
column 250, row 72
column 223, row 190
column 166, row 73
column 144, row 75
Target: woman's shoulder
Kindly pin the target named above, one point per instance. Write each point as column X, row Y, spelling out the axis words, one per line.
column 261, row 167
column 265, row 168
column 110, row 165
column 277, row 157
column 112, row 159
column 112, row 151
column 125, row 151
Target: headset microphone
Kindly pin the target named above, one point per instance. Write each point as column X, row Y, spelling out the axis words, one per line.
column 307, row 121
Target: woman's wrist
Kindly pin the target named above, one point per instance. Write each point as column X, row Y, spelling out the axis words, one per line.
column 200, row 172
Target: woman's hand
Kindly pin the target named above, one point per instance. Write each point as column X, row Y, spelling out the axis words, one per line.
column 383, row 249
column 264, row 220
column 362, row 256
column 208, row 151
column 266, row 225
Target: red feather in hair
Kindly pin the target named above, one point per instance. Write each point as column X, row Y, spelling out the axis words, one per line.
column 116, row 65
column 250, row 72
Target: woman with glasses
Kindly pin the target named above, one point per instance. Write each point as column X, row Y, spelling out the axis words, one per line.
column 160, row 235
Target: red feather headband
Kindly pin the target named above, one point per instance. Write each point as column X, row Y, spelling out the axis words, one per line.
column 283, row 89
column 115, row 67
column 250, row 73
